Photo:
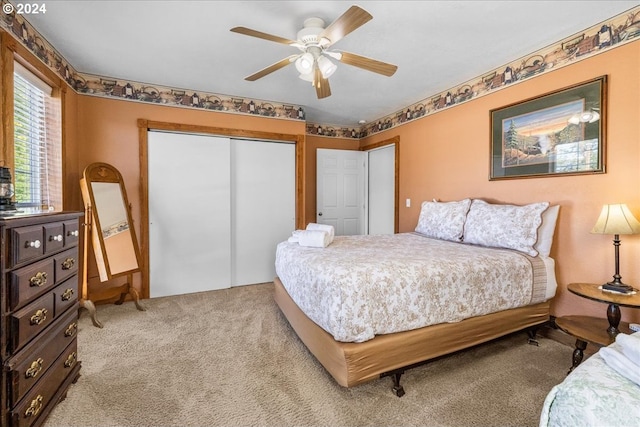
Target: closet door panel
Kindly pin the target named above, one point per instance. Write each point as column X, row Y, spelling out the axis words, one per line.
column 263, row 206
column 189, row 213
column 382, row 192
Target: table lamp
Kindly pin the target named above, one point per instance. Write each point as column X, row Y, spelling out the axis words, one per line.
column 616, row 220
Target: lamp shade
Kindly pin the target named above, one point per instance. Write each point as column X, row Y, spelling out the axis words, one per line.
column 307, row 77
column 327, row 68
column 304, row 63
column 616, row 219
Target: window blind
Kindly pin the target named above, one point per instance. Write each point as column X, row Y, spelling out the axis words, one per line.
column 37, row 166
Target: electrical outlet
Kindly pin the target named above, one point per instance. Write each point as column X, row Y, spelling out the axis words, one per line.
column 408, row 203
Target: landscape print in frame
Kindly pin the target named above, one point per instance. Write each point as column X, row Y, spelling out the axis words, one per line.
column 559, row 133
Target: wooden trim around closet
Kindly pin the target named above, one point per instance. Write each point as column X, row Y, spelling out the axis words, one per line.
column 396, row 209
column 145, row 125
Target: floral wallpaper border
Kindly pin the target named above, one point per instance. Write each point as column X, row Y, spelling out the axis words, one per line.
column 618, row 30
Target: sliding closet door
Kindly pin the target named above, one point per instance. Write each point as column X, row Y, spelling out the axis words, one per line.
column 189, row 213
column 262, row 205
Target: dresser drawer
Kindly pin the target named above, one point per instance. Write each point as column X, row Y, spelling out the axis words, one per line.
column 27, row 243
column 31, row 363
column 66, row 264
column 29, row 321
column 71, row 232
column 65, row 295
column 31, row 406
column 53, row 237
column 29, row 282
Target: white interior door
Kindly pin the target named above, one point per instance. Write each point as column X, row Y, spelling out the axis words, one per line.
column 382, row 191
column 189, row 213
column 263, row 193
column 340, row 190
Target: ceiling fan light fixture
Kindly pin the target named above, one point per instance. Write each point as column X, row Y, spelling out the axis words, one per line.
column 307, row 77
column 327, row 67
column 304, row 63
column 314, row 63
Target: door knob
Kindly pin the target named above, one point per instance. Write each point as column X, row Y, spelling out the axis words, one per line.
column 319, row 213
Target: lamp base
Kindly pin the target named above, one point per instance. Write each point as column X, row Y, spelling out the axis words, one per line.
column 620, row 288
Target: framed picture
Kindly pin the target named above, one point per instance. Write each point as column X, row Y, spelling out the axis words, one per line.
column 559, row 133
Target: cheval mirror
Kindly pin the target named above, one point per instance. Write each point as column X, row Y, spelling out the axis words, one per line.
column 108, row 226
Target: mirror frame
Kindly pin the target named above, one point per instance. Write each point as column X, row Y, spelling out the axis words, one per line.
column 104, row 172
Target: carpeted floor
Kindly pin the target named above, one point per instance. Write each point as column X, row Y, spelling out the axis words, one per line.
column 229, row 358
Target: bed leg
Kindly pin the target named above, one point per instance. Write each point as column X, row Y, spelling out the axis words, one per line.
column 532, row 337
column 397, row 388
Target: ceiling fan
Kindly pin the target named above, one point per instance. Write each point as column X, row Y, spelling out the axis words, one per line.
column 314, row 40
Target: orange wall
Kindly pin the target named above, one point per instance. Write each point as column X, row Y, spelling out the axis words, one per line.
column 446, row 156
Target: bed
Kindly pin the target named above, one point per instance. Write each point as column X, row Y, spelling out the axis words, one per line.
column 595, row 394
column 372, row 306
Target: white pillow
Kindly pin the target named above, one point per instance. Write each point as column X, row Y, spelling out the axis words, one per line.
column 546, row 230
column 504, row 226
column 443, row 220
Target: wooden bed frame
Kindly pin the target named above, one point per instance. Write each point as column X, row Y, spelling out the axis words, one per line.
column 351, row 364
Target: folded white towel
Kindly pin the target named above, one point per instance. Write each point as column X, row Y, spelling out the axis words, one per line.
column 324, row 227
column 314, row 238
column 629, row 345
column 295, row 236
column 621, row 364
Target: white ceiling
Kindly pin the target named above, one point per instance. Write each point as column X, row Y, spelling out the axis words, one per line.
column 187, row 44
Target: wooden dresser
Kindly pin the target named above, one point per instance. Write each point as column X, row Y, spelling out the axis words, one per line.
column 39, row 301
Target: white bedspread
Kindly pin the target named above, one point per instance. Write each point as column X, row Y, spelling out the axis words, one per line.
column 362, row 286
column 593, row 395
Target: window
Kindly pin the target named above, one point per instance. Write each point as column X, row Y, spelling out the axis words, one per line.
column 37, row 143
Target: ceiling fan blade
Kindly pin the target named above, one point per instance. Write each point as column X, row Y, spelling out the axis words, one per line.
column 323, row 90
column 259, row 34
column 368, row 64
column 351, row 20
column 271, row 68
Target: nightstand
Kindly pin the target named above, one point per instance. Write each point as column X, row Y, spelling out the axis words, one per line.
column 595, row 330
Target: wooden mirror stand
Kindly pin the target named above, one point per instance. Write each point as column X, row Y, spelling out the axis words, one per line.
column 108, row 228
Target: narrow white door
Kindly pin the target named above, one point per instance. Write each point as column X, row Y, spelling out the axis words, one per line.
column 189, row 213
column 340, row 190
column 263, row 193
column 382, row 191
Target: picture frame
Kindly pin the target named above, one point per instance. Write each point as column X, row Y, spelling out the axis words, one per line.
column 558, row 133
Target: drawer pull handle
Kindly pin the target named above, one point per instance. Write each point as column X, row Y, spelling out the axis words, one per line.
column 68, row 263
column 57, row 238
column 34, row 370
column 71, row 329
column 71, row 360
column 73, row 233
column 40, row 279
column 39, row 317
column 34, row 408
column 32, row 244
column 67, row 295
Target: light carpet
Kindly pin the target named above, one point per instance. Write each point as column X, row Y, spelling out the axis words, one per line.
column 230, row 358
